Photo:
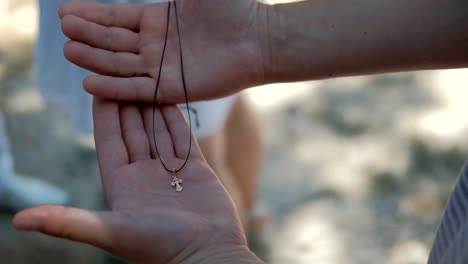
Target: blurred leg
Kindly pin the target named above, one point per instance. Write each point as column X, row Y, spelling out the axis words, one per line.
column 213, row 148
column 229, row 136
column 244, row 149
column 6, row 160
column 244, row 155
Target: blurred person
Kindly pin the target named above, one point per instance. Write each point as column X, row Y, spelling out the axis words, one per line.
column 227, row 128
column 17, row 191
column 58, row 80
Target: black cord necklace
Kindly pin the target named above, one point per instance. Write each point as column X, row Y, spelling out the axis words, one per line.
column 176, row 182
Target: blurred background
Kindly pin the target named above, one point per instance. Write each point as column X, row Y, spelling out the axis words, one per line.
column 356, row 170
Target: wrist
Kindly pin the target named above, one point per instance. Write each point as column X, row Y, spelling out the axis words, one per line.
column 265, row 23
column 232, row 255
column 295, row 45
column 235, row 254
column 275, row 43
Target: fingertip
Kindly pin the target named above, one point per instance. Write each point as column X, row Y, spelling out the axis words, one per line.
column 89, row 83
column 21, row 223
column 27, row 220
column 71, row 50
column 67, row 48
column 64, row 9
column 93, row 84
column 65, row 23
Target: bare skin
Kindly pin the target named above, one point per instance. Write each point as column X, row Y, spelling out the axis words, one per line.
column 235, row 153
column 123, row 43
column 244, row 149
column 149, row 222
column 233, row 45
column 214, row 150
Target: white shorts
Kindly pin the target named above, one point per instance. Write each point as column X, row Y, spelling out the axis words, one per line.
column 60, row 82
column 208, row 117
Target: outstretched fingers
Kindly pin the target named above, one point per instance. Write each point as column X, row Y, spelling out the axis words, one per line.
column 156, row 129
column 110, row 15
column 99, row 36
column 180, row 132
column 110, row 146
column 133, row 132
column 134, row 89
column 122, row 64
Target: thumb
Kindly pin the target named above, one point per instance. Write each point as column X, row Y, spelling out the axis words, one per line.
column 69, row 223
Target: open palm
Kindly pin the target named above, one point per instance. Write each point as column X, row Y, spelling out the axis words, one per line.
column 149, row 221
column 123, row 43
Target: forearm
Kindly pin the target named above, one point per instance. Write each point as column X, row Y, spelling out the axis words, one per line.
column 319, row 39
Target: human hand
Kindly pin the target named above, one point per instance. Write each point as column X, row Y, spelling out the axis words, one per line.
column 123, row 44
column 149, row 221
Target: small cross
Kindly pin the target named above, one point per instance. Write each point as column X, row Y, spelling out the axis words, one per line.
column 176, row 182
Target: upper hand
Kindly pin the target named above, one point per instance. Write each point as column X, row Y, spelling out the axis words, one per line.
column 123, row 43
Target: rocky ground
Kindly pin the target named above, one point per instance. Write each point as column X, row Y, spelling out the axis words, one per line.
column 357, row 170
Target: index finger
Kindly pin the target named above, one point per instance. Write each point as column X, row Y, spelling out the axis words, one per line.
column 180, row 132
column 110, row 146
column 110, row 15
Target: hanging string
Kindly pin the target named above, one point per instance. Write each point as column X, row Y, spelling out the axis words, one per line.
column 174, row 170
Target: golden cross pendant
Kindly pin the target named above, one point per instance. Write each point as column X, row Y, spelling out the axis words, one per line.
column 176, row 182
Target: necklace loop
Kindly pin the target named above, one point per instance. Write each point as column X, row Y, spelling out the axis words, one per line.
column 175, row 181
